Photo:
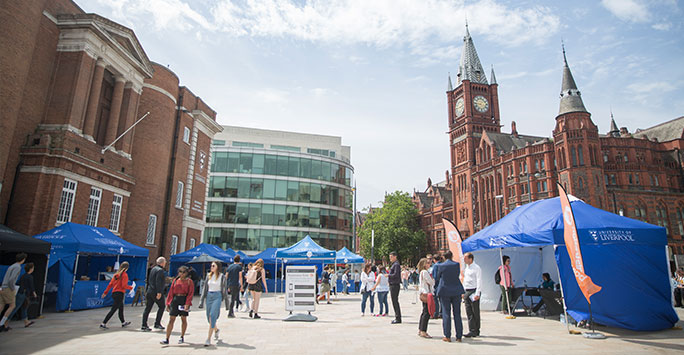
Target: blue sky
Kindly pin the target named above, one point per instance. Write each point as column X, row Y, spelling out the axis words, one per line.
column 375, row 72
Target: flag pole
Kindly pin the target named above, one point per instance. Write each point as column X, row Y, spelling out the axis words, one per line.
column 565, row 307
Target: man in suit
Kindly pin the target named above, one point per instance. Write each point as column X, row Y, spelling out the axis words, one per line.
column 450, row 291
column 156, row 281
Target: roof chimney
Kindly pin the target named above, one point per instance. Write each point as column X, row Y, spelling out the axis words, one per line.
column 514, row 131
column 448, row 183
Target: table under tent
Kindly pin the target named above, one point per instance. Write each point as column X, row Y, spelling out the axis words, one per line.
column 346, row 256
column 77, row 266
column 626, row 257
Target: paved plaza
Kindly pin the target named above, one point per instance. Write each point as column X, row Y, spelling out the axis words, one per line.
column 340, row 329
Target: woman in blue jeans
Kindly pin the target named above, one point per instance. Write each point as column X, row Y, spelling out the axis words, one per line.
column 214, row 292
column 367, row 282
column 382, row 287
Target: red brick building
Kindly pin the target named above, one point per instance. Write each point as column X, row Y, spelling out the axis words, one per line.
column 72, row 84
column 433, row 204
column 638, row 174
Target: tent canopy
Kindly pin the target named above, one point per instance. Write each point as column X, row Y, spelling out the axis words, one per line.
column 11, row 240
column 72, row 238
column 541, row 223
column 305, row 249
column 242, row 255
column 208, row 249
column 346, row 256
column 626, row 257
column 268, row 255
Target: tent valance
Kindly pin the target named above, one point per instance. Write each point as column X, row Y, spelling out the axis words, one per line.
column 305, row 249
column 346, row 256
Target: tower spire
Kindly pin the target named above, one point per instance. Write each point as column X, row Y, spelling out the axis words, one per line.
column 614, row 131
column 570, row 96
column 470, row 67
column 492, row 77
column 450, row 87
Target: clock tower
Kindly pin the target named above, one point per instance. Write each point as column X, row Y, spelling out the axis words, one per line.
column 473, row 108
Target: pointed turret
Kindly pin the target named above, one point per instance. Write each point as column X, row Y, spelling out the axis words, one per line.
column 450, row 87
column 492, row 77
column 571, row 100
column 470, row 68
column 614, row 131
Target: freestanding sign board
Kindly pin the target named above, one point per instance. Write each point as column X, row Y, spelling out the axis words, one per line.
column 300, row 288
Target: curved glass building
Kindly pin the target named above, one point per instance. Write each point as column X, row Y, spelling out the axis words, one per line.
column 271, row 188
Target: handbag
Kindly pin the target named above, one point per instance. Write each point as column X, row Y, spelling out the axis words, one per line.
column 431, row 304
column 423, row 297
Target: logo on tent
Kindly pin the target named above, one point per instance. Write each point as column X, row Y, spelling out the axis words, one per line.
column 594, row 235
column 306, row 244
column 497, row 241
column 309, row 254
column 97, row 232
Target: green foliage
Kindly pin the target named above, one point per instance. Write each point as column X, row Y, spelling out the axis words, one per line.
column 396, row 229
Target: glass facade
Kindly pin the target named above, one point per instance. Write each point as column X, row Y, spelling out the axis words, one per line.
column 259, row 198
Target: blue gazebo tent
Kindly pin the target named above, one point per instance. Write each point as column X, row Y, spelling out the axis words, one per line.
column 180, row 259
column 626, row 257
column 305, row 251
column 268, row 255
column 79, row 250
column 346, row 256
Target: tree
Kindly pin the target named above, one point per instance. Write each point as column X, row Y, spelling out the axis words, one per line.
column 396, row 229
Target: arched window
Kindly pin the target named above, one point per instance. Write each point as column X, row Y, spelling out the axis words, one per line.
column 581, row 156
column 661, row 217
column 581, row 184
column 573, row 156
column 640, row 211
column 680, row 221
column 605, row 157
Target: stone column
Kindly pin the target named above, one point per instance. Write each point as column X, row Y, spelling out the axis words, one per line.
column 94, row 100
column 115, row 112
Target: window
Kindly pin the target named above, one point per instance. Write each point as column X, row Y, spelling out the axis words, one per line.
column 680, row 221
column 656, row 180
column 542, row 164
column 174, row 244
column 192, row 243
column 581, row 155
column 573, row 155
column 116, row 213
column 179, row 195
column 536, row 165
column 186, row 135
column 286, row 147
column 605, row 157
column 612, row 179
column 66, row 201
column 661, row 216
column 218, row 142
column 93, row 206
column 625, row 157
column 630, row 178
column 581, row 183
column 637, row 178
column 151, row 229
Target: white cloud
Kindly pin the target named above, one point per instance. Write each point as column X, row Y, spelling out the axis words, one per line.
column 628, row 10
column 665, row 26
column 322, row 92
column 653, row 87
column 272, row 96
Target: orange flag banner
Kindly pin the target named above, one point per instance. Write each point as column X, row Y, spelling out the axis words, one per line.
column 454, row 240
column 572, row 245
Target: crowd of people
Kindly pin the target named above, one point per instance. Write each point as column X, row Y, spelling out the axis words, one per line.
column 17, row 295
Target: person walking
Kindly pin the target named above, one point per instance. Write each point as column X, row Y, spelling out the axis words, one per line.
column 325, row 285
column 8, row 288
column 506, row 283
column 119, row 286
column 394, row 282
column 450, row 290
column 333, row 281
column 156, row 282
column 214, row 291
column 367, row 277
column 27, row 291
column 405, row 278
column 425, row 286
column 345, row 282
column 382, row 288
column 256, row 280
column 472, row 283
column 235, row 284
column 246, row 295
column 357, row 281
column 178, row 302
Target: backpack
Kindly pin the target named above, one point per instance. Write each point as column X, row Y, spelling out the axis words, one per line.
column 497, row 277
column 251, row 276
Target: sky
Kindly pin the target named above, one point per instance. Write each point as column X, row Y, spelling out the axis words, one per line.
column 374, row 72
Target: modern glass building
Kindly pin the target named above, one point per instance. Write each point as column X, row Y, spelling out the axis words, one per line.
column 271, row 188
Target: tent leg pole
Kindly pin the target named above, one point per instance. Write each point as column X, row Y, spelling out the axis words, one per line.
column 42, row 296
column 560, row 282
column 73, row 282
column 508, row 301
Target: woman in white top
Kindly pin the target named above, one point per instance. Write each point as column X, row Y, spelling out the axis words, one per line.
column 426, row 285
column 214, row 292
column 367, row 279
column 382, row 287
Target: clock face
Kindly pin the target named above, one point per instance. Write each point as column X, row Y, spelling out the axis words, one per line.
column 481, row 103
column 459, row 106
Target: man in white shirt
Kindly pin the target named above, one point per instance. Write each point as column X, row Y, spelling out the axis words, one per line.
column 472, row 282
